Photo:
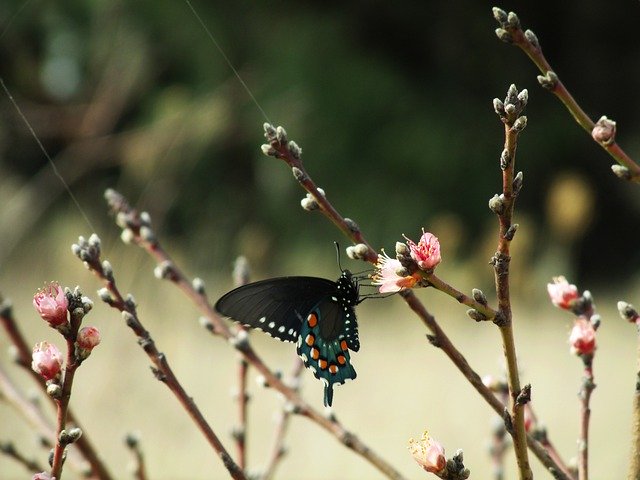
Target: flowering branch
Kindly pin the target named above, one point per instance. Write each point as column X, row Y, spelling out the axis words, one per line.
column 89, row 252
column 629, row 313
column 280, row 147
column 603, row 131
column 137, row 229
column 23, row 358
column 583, row 344
column 502, row 205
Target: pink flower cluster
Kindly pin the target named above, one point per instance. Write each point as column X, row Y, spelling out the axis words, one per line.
column 583, row 337
column 390, row 274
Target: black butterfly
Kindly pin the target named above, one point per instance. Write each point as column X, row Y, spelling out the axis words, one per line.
column 316, row 313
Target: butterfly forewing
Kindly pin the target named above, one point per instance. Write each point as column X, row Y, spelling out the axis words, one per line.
column 277, row 305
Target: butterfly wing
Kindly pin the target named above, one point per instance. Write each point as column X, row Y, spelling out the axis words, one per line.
column 276, row 306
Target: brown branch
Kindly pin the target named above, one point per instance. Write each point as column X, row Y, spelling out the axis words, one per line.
column 89, row 253
column 510, row 31
column 503, row 206
column 278, row 450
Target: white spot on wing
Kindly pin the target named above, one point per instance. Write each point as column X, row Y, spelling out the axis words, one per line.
column 281, row 329
column 272, row 324
column 263, row 319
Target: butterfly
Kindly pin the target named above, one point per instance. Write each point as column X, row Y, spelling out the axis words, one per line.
column 316, row 313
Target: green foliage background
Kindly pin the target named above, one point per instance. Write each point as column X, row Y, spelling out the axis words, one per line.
column 391, row 103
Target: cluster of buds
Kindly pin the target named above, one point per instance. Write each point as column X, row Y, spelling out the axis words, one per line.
column 583, row 334
column 411, row 263
column 511, row 108
column 63, row 310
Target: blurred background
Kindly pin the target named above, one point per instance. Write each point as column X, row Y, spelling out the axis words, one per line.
column 391, row 104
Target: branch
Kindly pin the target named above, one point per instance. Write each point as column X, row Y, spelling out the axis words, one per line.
column 503, row 205
column 89, row 253
column 511, row 32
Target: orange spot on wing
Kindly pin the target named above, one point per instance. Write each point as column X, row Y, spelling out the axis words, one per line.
column 315, row 353
column 341, row 359
column 312, row 320
column 333, row 368
column 322, row 363
column 343, row 345
column 310, row 340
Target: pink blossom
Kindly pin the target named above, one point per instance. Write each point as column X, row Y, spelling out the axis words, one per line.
column 583, row 337
column 427, row 252
column 387, row 277
column 46, row 360
column 51, row 303
column 429, row 453
column 43, row 476
column 88, row 337
column 563, row 295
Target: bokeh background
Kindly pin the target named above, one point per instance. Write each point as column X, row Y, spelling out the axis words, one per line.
column 391, row 103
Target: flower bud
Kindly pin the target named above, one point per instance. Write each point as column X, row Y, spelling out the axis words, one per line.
column 604, row 131
column 563, row 295
column 88, row 338
column 582, row 337
column 46, row 360
column 51, row 303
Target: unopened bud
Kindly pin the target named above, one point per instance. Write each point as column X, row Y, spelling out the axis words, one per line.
column 621, row 172
column 627, row 311
column 532, row 38
column 479, row 296
column 519, row 124
column 496, row 204
column 604, row 131
column 503, row 35
column 548, row 81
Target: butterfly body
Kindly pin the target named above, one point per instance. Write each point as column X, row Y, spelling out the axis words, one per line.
column 316, row 313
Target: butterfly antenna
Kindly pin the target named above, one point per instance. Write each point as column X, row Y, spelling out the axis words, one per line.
column 338, row 255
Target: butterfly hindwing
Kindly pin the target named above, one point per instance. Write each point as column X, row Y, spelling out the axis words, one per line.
column 327, row 356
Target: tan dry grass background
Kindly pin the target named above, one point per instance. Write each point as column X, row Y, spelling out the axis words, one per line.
column 403, row 387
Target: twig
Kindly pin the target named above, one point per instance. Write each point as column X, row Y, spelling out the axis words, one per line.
column 503, row 206
column 630, row 314
column 133, row 443
column 10, row 450
column 280, row 147
column 137, row 229
column 585, row 413
column 89, row 253
column 510, row 31
column 278, row 449
column 241, row 277
column 23, row 358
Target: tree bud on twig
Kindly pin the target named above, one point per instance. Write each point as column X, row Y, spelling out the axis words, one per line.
column 604, row 131
column 627, row 311
column 513, row 20
column 476, row 315
column 548, row 81
column 498, row 107
column 517, row 183
column 519, row 124
column 532, row 38
column 496, row 204
column 621, row 172
column 503, row 35
column 479, row 296
column 500, row 15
